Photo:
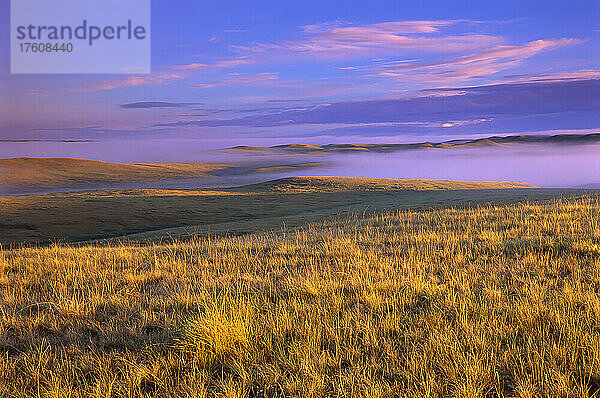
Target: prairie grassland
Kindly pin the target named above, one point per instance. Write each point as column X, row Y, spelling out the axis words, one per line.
column 493, row 301
column 25, row 175
column 155, row 213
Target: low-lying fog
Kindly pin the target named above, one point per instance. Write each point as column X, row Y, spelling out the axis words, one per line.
column 546, row 166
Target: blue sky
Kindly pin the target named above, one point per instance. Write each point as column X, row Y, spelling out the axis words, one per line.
column 330, row 71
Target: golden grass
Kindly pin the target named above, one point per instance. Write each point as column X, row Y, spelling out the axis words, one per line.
column 33, row 172
column 19, row 175
column 223, row 329
column 345, row 184
column 493, row 301
column 155, row 213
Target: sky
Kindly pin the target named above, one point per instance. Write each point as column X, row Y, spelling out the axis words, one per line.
column 266, row 72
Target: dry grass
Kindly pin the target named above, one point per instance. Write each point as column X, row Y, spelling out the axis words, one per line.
column 222, row 330
column 35, row 172
column 154, row 213
column 345, row 184
column 494, row 301
column 22, row 175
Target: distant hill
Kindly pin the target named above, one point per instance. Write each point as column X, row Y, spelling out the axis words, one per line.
column 29, row 174
column 342, row 184
column 65, row 171
column 562, row 139
column 160, row 213
column 590, row 186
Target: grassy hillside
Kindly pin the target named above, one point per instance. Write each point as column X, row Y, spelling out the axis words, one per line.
column 31, row 174
column 313, row 149
column 346, row 184
column 492, row 301
column 149, row 213
column 49, row 171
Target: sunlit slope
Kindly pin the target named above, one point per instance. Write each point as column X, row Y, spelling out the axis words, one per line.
column 24, row 175
column 488, row 301
column 67, row 171
column 340, row 184
column 156, row 213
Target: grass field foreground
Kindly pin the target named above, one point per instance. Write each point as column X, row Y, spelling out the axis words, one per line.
column 491, row 301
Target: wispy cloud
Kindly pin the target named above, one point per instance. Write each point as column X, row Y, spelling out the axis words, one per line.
column 435, row 53
column 418, row 53
column 156, row 104
column 229, row 63
column 331, row 41
column 480, row 64
column 132, row 81
column 248, row 79
column 573, row 75
column 235, row 30
column 205, row 85
column 426, row 124
column 189, row 66
column 472, row 105
column 337, row 30
column 336, row 41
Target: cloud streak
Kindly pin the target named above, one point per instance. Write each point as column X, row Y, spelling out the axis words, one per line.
column 228, row 63
column 400, row 51
column 477, row 65
column 133, row 81
column 248, row 79
column 333, row 42
column 434, row 53
column 156, row 104
column 472, row 103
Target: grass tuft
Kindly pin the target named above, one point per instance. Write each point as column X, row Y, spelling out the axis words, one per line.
column 222, row 331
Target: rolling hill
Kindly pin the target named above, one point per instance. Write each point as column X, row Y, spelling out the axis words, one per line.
column 157, row 213
column 560, row 139
column 22, row 175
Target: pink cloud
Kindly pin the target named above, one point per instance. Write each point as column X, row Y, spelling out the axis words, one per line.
column 249, row 79
column 232, row 62
column 477, row 65
column 259, row 77
column 220, row 64
column 511, row 52
column 450, row 123
column 573, row 75
column 189, row 66
column 330, row 41
column 474, row 55
column 393, row 27
column 132, row 81
column 204, row 85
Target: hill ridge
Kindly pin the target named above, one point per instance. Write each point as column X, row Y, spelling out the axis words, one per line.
column 493, row 141
column 336, row 184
